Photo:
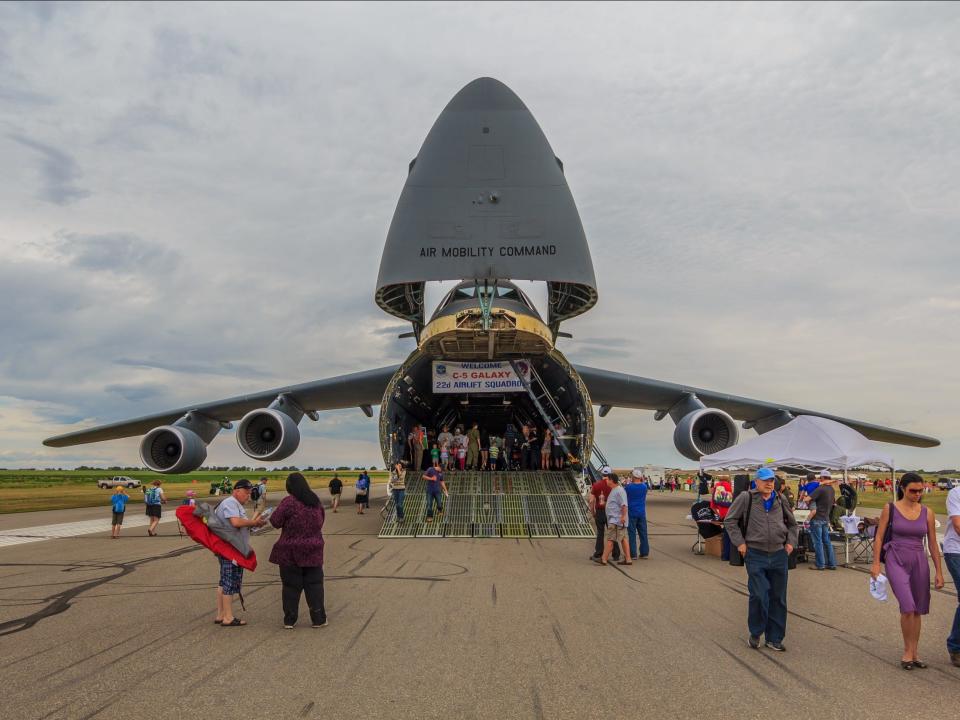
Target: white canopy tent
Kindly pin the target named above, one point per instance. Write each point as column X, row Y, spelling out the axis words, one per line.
column 807, row 441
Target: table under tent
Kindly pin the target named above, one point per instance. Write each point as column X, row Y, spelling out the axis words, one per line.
column 811, row 443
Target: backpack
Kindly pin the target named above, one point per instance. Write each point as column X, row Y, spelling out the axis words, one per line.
column 152, row 496
column 255, row 493
column 745, row 519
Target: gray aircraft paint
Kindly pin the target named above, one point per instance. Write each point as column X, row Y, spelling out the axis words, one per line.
column 486, row 198
column 447, row 203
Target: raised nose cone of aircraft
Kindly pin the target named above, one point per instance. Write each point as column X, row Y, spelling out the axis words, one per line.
column 486, row 198
column 485, row 94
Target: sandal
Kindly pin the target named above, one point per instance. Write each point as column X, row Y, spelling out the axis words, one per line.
column 623, row 562
column 919, row 664
column 236, row 622
column 218, row 622
column 906, row 664
column 598, row 561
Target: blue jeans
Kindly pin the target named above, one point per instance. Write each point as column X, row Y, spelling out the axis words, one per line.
column 953, row 565
column 822, row 547
column 398, row 496
column 435, row 496
column 638, row 525
column 767, row 583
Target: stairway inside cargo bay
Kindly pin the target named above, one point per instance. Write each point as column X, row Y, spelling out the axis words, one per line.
column 516, row 504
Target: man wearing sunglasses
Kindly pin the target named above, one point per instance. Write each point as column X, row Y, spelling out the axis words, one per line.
column 764, row 531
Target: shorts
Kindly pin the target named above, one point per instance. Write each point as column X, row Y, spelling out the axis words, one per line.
column 117, row 519
column 557, row 452
column 153, row 511
column 231, row 576
column 615, row 533
column 361, row 499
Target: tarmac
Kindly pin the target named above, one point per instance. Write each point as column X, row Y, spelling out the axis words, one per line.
column 438, row 628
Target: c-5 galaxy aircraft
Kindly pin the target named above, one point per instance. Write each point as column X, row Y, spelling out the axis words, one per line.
column 485, row 203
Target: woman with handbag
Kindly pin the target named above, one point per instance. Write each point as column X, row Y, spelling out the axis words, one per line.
column 899, row 545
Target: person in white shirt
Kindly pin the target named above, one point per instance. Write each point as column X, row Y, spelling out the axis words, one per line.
column 951, row 554
column 616, row 530
column 231, row 575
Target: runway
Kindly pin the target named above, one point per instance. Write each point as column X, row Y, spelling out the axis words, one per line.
column 432, row 628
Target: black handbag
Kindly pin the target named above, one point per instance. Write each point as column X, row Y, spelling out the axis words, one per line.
column 887, row 535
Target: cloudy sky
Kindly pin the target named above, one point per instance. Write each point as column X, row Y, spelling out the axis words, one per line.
column 194, row 199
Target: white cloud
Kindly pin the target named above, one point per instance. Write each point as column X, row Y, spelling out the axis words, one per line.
column 196, row 199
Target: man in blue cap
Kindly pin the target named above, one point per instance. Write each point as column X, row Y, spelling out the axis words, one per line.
column 764, row 531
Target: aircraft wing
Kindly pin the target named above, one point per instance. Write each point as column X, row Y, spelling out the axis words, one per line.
column 343, row 391
column 615, row 389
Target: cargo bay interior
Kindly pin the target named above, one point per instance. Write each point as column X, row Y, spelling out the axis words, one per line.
column 556, row 393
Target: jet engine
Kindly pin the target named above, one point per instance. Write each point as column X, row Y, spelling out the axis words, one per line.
column 172, row 449
column 271, row 433
column 704, row 431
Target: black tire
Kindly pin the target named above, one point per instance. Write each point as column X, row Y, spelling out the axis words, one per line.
column 130, row 486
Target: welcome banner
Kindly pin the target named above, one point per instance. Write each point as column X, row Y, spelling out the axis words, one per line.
column 479, row 377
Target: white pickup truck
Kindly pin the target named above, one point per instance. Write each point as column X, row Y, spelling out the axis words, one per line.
column 118, row 481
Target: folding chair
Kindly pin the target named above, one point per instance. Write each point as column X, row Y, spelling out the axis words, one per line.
column 858, row 539
column 704, row 517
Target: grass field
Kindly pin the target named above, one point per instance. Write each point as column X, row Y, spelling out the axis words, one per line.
column 29, row 490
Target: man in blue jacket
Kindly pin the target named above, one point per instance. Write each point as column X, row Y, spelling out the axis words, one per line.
column 637, row 511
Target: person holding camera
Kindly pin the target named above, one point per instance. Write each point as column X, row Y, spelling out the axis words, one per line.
column 232, row 511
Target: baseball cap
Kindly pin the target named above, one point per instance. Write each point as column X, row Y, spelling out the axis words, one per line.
column 764, row 474
column 605, row 470
column 825, row 474
column 243, row 485
column 637, row 473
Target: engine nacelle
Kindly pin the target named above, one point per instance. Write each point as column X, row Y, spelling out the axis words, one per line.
column 704, row 431
column 268, row 434
column 170, row 449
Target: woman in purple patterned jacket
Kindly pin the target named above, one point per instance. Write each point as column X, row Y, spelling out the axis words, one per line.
column 299, row 551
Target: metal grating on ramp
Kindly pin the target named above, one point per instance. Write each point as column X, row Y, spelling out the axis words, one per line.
column 487, row 530
column 523, row 504
column 542, row 530
column 458, row 529
column 568, row 530
column 434, row 529
column 513, row 530
column 399, row 530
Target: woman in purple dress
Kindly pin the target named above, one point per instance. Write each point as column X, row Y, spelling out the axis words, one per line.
column 299, row 551
column 906, row 561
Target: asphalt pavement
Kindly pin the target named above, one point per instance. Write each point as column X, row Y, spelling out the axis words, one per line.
column 459, row 628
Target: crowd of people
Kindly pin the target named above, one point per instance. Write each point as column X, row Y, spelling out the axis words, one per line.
column 528, row 447
column 758, row 525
